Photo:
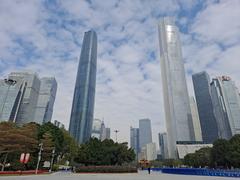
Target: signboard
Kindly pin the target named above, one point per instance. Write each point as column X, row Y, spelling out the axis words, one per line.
column 24, row 158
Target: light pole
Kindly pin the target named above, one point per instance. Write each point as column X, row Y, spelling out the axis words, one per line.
column 39, row 156
column 116, row 131
column 9, row 82
column 53, row 153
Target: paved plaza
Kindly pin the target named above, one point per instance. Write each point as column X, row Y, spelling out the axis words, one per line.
column 135, row 176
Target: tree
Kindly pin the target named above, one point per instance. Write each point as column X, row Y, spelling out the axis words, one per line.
column 233, row 154
column 220, row 150
column 96, row 152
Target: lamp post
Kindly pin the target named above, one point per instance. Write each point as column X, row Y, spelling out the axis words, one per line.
column 10, row 83
column 53, row 153
column 116, row 131
column 39, row 156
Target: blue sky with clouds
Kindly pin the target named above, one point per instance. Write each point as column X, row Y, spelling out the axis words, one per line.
column 46, row 36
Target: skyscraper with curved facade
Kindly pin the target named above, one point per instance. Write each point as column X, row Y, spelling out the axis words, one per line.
column 84, row 94
column 176, row 100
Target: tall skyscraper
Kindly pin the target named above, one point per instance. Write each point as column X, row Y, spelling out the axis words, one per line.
column 23, row 101
column 134, row 140
column 175, row 92
column 96, row 128
column 145, row 132
column 196, row 120
column 108, row 133
column 163, row 145
column 201, row 84
column 46, row 98
column 11, row 95
column 226, row 105
column 28, row 105
column 84, row 94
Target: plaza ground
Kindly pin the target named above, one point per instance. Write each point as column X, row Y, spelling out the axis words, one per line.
column 142, row 175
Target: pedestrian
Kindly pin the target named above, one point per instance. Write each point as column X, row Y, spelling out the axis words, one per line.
column 149, row 170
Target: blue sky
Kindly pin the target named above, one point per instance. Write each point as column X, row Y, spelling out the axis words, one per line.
column 46, row 36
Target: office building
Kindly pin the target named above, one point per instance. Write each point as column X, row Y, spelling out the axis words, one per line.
column 163, row 145
column 23, row 95
column 96, row 128
column 225, row 98
column 108, row 133
column 58, row 124
column 176, row 100
column 196, row 121
column 134, row 140
column 11, row 95
column 46, row 98
column 84, row 94
column 27, row 109
column 148, row 152
column 145, row 132
column 201, row 84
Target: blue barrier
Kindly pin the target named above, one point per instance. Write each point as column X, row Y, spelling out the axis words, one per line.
column 201, row 172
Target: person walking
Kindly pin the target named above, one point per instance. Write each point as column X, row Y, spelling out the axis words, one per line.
column 149, row 170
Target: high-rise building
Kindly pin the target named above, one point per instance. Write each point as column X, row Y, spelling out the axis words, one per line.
column 23, row 101
column 96, row 128
column 84, row 94
column 46, row 98
column 149, row 152
column 163, row 145
column 145, row 132
column 58, row 124
column 108, row 133
column 11, row 95
column 201, row 84
column 175, row 92
column 134, row 140
column 226, row 105
column 27, row 109
column 196, row 121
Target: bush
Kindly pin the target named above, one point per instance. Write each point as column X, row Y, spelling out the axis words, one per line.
column 105, row 169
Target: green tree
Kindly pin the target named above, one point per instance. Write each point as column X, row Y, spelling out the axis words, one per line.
column 219, row 154
column 233, row 154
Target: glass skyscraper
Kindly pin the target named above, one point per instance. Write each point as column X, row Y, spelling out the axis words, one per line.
column 176, row 100
column 201, row 84
column 25, row 98
column 145, row 132
column 226, row 105
column 134, row 140
column 46, row 98
column 84, row 94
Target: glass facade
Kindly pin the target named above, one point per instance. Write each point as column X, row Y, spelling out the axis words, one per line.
column 28, row 105
column 226, row 105
column 196, row 120
column 145, row 132
column 163, row 145
column 201, row 84
column 134, row 140
column 96, row 128
column 176, row 100
column 84, row 94
column 46, row 98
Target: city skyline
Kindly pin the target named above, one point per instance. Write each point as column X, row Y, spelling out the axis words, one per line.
column 129, row 81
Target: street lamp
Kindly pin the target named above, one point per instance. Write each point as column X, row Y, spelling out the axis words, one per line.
column 39, row 156
column 53, row 153
column 116, row 131
column 9, row 82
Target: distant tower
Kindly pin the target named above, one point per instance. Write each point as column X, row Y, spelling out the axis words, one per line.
column 84, row 94
column 145, row 132
column 134, row 140
column 201, row 84
column 226, row 106
column 175, row 92
column 163, row 145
